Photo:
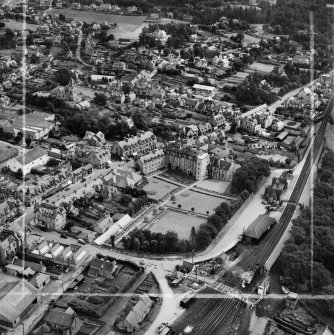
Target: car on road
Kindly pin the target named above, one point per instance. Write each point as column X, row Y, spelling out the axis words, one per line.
column 63, row 236
column 81, row 241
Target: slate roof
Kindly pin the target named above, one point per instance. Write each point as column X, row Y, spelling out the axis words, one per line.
column 259, row 226
column 59, row 318
column 31, row 156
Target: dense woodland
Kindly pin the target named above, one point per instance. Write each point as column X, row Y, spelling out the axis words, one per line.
column 296, row 258
column 249, row 175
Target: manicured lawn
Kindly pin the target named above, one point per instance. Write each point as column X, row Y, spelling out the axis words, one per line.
column 200, row 202
column 6, row 152
column 179, row 222
column 157, row 189
column 214, row 185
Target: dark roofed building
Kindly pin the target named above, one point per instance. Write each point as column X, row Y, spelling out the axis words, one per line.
column 258, row 228
column 65, row 323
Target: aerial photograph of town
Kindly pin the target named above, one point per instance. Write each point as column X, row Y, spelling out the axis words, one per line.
column 166, row 167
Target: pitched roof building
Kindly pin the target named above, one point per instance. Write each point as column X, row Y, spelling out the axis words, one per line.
column 15, row 300
column 136, row 315
column 31, row 159
column 50, row 216
column 135, row 145
column 258, row 227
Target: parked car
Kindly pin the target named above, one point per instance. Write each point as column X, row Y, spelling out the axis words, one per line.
column 81, row 241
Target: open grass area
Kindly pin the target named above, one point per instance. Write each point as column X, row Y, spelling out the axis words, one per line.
column 261, row 67
column 127, row 26
column 157, row 189
column 6, row 152
column 179, row 222
column 18, row 25
column 199, row 201
column 214, row 185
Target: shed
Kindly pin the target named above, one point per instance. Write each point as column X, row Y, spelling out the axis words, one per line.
column 281, row 136
column 258, row 227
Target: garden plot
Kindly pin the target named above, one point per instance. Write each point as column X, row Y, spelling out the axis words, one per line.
column 201, row 203
column 157, row 189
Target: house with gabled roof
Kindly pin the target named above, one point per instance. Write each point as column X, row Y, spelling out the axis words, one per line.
column 136, row 315
column 29, row 160
column 135, row 145
column 61, row 322
column 221, row 168
column 50, row 216
column 40, row 280
column 152, row 162
column 102, row 225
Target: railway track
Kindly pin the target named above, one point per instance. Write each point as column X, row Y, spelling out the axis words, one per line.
column 259, row 256
column 214, row 314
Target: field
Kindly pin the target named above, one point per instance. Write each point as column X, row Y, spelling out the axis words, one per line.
column 157, row 189
column 261, row 67
column 128, row 26
column 214, row 185
column 179, row 222
column 200, row 202
column 247, row 39
column 17, row 25
column 6, row 152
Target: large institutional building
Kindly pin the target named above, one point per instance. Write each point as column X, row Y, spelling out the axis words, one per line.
column 141, row 144
column 189, row 160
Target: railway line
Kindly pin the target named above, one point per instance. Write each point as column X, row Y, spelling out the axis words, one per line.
column 211, row 316
column 255, row 260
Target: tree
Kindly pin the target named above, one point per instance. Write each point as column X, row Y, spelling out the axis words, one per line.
column 203, row 239
column 34, row 59
column 154, row 244
column 135, row 244
column 100, row 99
column 162, row 246
column 63, row 76
column 145, row 246
column 126, row 88
column 126, row 199
column 28, row 141
column 48, row 44
column 52, row 162
column 140, row 120
column 19, row 173
column 171, row 240
column 192, row 209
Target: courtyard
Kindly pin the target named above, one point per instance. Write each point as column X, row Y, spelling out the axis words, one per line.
column 156, row 189
column 199, row 201
column 179, row 222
